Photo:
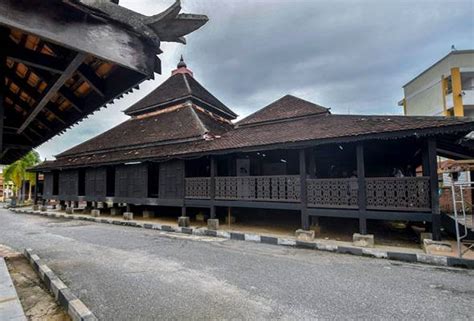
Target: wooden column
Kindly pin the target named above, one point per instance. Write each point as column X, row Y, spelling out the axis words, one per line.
column 303, row 191
column 36, row 188
column 212, row 187
column 4, row 34
column 430, row 169
column 312, row 164
column 362, row 194
column 183, row 211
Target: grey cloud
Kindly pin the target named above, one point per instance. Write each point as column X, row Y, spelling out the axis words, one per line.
column 351, row 56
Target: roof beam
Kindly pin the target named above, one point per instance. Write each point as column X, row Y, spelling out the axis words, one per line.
column 75, row 101
column 36, row 59
column 51, row 91
column 89, row 75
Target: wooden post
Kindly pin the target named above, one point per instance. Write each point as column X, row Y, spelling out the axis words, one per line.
column 4, row 35
column 212, row 187
column 431, row 165
column 312, row 164
column 36, row 189
column 362, row 194
column 303, row 191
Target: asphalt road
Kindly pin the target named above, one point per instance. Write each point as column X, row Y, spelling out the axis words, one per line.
column 124, row 273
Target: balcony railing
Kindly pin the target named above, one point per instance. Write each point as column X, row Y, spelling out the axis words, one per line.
column 383, row 193
column 394, row 193
column 284, row 188
column 197, row 187
column 333, row 192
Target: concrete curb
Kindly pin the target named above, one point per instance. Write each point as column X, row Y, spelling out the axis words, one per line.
column 63, row 295
column 10, row 305
column 436, row 260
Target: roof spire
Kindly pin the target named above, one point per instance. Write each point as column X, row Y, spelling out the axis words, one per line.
column 182, row 68
column 181, row 63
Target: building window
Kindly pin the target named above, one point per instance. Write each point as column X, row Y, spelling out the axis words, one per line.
column 81, row 189
column 153, row 179
column 110, row 178
column 55, row 183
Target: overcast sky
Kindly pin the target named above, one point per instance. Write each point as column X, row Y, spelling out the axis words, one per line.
column 352, row 56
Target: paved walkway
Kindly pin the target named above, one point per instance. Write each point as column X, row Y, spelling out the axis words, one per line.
column 126, row 273
column 10, row 306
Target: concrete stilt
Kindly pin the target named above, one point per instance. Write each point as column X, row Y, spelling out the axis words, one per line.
column 128, row 216
column 213, row 224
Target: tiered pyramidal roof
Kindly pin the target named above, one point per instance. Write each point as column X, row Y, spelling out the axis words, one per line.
column 178, row 88
column 181, row 118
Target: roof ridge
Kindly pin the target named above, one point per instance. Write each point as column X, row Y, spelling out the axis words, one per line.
column 201, row 124
column 187, row 84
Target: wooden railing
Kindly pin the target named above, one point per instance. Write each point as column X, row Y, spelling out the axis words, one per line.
column 333, row 192
column 259, row 188
column 398, row 193
column 383, row 193
column 197, row 187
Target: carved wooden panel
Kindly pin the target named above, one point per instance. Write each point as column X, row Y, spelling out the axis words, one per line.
column 197, row 187
column 259, row 188
column 333, row 192
column 394, row 193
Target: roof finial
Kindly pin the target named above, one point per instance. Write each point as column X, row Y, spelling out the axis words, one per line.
column 182, row 68
column 181, row 63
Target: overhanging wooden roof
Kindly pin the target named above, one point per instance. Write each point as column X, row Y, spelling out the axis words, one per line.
column 63, row 60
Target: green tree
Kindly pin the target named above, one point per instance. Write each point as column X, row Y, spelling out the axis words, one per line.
column 17, row 171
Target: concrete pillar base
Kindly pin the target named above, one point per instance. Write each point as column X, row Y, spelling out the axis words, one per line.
column 366, row 240
column 183, row 221
column 304, row 235
column 115, row 211
column 434, row 247
column 36, row 207
column 425, row 236
column 43, row 208
column 69, row 210
column 148, row 214
column 128, row 216
column 95, row 213
column 213, row 224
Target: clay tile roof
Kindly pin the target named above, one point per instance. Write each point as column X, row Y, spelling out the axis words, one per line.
column 184, row 123
column 286, row 107
column 178, row 88
column 338, row 128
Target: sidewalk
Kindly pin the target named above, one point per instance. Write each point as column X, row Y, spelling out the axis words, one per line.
column 10, row 306
column 412, row 255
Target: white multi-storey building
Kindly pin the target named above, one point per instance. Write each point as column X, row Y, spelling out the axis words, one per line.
column 444, row 89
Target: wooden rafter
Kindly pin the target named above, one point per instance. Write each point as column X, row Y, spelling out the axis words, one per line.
column 52, row 90
column 36, row 59
column 92, row 79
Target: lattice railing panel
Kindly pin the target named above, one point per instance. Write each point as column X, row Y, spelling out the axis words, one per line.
column 197, row 187
column 333, row 192
column 398, row 193
column 259, row 188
